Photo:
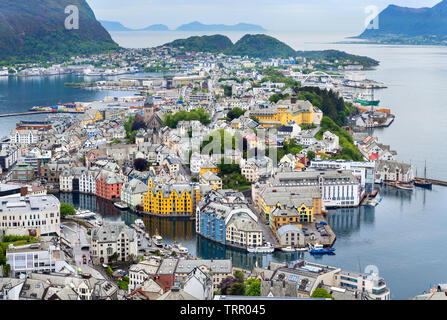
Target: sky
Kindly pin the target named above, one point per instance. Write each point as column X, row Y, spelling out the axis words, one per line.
column 275, row 15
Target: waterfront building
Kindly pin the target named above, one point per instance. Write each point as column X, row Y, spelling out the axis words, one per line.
column 39, row 214
column 108, row 185
column 132, row 193
column 364, row 171
column 371, row 285
column 217, row 270
column 87, row 182
column 393, row 171
column 9, row 155
column 69, row 180
column 290, row 235
column 172, row 199
column 303, row 202
column 339, row 188
column 113, row 238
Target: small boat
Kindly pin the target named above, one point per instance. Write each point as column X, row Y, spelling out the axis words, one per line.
column 140, row 223
column 268, row 248
column 319, row 249
column 183, row 250
column 373, row 202
column 405, row 186
column 301, row 249
column 121, row 205
column 423, row 183
column 288, row 249
column 158, row 240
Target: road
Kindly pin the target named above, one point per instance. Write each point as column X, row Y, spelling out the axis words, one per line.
column 78, row 237
column 266, row 231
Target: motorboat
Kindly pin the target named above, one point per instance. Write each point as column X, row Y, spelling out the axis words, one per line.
column 301, row 249
column 140, row 223
column 373, row 202
column 320, row 249
column 121, row 205
column 267, row 248
column 183, row 250
column 82, row 214
column 288, row 249
column 158, row 240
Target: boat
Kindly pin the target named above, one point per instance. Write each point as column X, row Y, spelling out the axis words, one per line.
column 301, row 249
column 83, row 214
column 121, row 205
column 268, row 248
column 158, row 240
column 320, row 249
column 140, row 223
column 183, row 250
column 373, row 202
column 288, row 249
column 405, row 186
column 423, row 183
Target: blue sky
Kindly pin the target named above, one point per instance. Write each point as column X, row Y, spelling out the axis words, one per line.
column 275, row 15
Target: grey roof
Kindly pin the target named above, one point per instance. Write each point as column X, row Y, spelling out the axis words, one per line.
column 134, row 186
column 168, row 266
column 110, row 231
column 216, row 266
column 287, row 228
column 17, row 204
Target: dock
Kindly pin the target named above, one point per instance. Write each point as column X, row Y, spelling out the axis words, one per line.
column 26, row 113
column 435, row 182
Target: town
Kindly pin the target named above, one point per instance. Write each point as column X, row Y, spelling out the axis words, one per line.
column 254, row 151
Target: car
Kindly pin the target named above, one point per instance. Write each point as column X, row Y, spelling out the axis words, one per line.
column 142, row 250
column 62, row 226
column 84, row 259
column 105, row 266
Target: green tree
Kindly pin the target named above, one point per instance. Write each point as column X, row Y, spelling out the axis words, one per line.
column 321, row 293
column 235, row 113
column 310, row 155
column 67, row 210
column 237, row 289
column 253, row 286
column 239, row 275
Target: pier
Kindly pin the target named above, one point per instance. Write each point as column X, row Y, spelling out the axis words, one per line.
column 26, row 113
column 435, row 182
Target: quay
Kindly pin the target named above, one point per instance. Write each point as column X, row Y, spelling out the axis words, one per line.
column 435, row 182
column 25, row 113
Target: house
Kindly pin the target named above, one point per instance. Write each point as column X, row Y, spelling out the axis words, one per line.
column 133, row 193
column 209, row 178
column 291, row 235
column 393, row 171
column 113, row 240
column 142, row 271
column 108, row 185
column 199, row 285
column 330, row 142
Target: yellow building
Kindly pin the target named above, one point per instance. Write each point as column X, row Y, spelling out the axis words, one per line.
column 177, row 199
column 208, row 167
column 299, row 111
column 304, row 201
column 91, row 116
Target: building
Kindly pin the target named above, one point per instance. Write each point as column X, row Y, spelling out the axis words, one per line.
column 208, row 166
column 39, row 215
column 22, row 173
column 291, row 235
column 108, row 185
column 217, row 270
column 393, row 171
column 199, row 285
column 142, row 271
column 285, row 111
column 38, row 257
column 113, row 239
column 371, row 285
column 132, row 193
column 172, row 199
column 210, row 178
column 24, row 137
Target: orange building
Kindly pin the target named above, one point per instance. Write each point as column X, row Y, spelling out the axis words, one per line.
column 108, row 186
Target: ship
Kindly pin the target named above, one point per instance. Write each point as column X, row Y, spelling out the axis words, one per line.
column 121, row 205
column 319, row 249
column 268, row 248
column 423, row 183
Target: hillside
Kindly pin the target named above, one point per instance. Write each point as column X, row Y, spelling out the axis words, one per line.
column 260, row 46
column 333, row 55
column 214, row 44
column 197, row 26
column 33, row 30
column 410, row 24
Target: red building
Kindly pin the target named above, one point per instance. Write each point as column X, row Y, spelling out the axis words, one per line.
column 108, row 186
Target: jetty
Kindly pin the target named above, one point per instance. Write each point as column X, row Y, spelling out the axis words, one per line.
column 435, row 182
column 25, row 113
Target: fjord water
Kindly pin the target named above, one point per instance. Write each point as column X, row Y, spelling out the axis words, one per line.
column 404, row 236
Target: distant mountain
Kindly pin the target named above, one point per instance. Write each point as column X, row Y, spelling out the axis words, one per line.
column 197, row 26
column 113, row 26
column 33, row 30
column 117, row 26
column 260, row 46
column 263, row 46
column 214, row 44
column 405, row 23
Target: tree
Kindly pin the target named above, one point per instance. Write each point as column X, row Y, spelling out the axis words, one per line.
column 236, row 289
column 239, row 275
column 67, row 210
column 140, row 164
column 114, row 257
column 235, row 113
column 310, row 155
column 226, row 284
column 138, row 123
column 253, row 286
column 321, row 293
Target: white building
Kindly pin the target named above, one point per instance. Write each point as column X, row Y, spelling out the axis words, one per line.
column 133, row 192
column 41, row 214
column 111, row 238
column 140, row 272
column 24, row 136
column 87, row 182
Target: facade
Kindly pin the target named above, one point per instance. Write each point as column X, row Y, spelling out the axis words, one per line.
column 217, row 270
column 172, row 199
column 132, row 193
column 211, row 179
column 108, row 185
column 24, row 137
column 290, row 235
column 142, row 271
column 38, row 214
column 113, row 238
column 87, row 182
column 393, row 171
column 22, row 173
column 372, row 285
